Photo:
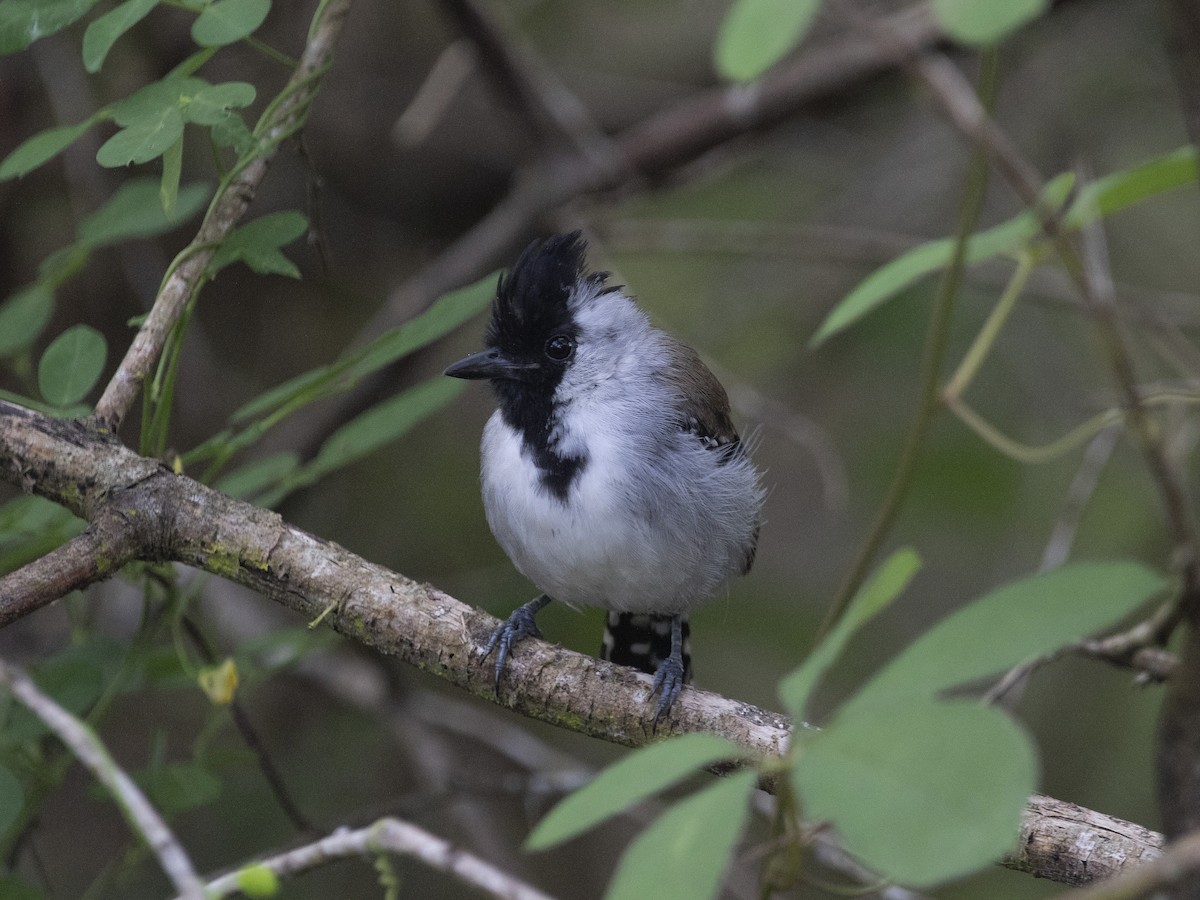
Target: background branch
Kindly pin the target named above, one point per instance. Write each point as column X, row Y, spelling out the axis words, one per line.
column 87, row 748
column 389, row 836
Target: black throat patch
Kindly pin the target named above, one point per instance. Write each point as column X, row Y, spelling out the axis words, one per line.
column 531, row 307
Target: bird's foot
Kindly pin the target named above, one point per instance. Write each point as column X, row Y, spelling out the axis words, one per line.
column 520, row 624
column 667, row 682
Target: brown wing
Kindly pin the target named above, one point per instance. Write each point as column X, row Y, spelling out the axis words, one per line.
column 705, row 412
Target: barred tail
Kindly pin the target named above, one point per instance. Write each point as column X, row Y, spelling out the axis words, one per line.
column 643, row 641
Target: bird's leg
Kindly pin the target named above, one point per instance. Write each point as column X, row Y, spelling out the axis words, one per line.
column 670, row 675
column 518, row 625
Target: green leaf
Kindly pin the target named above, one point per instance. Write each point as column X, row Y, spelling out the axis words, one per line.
column 637, row 777
column 168, row 191
column 106, row 30
column 257, row 881
column 919, row 791
column 71, row 365
column 380, row 425
column 450, row 311
column 232, row 131
column 884, row 586
column 1115, row 192
column 142, row 141
column 12, row 798
column 136, row 211
column 683, row 855
column 227, row 21
column 152, row 100
column 1016, row 622
column 24, row 21
column 257, row 244
column 889, row 280
column 153, row 120
column 756, row 34
column 212, row 104
column 259, row 475
column 178, row 787
column 43, row 527
column 986, row 21
column 41, row 148
column 23, row 316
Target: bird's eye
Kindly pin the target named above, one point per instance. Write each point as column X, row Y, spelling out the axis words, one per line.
column 560, row 347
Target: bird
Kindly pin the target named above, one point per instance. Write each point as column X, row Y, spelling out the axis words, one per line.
column 612, row 474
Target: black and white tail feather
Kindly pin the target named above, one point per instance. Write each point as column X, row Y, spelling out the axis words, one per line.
column 643, row 641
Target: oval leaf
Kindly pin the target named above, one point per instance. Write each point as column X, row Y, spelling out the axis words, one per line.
column 23, row 316
column 257, row 244
column 636, row 777
column 135, row 211
column 921, row 792
column 986, row 21
column 24, row 21
column 71, row 365
column 142, row 141
column 683, row 855
column 756, row 34
column 212, row 104
column 104, row 32
column 227, row 21
column 41, row 148
column 1019, row 621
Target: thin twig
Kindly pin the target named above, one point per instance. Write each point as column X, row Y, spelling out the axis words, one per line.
column 932, row 357
column 250, row 737
column 89, row 750
column 282, row 118
column 389, row 836
column 1080, row 490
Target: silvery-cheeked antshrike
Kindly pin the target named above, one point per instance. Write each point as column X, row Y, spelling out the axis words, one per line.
column 612, row 473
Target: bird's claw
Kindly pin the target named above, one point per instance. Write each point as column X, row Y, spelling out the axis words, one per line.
column 668, row 679
column 520, row 624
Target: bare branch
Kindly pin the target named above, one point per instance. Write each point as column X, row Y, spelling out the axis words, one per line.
column 286, row 116
column 389, row 836
column 1073, row 845
column 1178, row 866
column 87, row 748
column 95, row 554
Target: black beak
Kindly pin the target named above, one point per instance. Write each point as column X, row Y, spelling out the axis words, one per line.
column 489, row 363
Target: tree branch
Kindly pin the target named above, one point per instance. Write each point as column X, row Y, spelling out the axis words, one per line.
column 88, row 749
column 176, row 518
column 283, row 118
column 389, row 836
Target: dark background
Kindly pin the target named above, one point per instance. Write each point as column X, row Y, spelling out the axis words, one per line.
column 741, row 253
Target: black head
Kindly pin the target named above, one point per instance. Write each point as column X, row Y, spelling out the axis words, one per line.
column 532, row 334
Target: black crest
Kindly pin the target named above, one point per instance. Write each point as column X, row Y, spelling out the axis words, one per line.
column 531, row 301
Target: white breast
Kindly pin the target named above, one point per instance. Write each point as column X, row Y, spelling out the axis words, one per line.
column 653, row 523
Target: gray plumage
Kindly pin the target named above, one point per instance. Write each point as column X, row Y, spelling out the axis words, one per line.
column 612, row 473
